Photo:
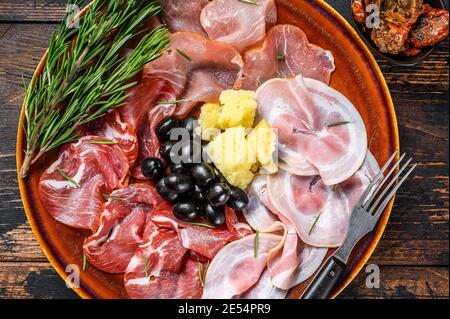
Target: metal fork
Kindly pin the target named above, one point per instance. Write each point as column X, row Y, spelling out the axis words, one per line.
column 363, row 220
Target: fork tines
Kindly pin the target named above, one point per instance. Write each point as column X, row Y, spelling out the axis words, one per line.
column 382, row 194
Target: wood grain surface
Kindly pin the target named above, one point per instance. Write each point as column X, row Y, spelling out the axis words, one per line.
column 413, row 254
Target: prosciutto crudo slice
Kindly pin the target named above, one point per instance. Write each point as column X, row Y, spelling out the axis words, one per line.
column 196, row 68
column 320, row 213
column 72, row 188
column 235, row 269
column 159, row 268
column 114, row 129
column 121, row 226
column 320, row 132
column 201, row 240
column 182, row 15
column 264, row 289
column 238, row 23
column 285, row 53
column 293, row 261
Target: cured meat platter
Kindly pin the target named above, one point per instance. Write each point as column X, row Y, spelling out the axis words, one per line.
column 340, row 71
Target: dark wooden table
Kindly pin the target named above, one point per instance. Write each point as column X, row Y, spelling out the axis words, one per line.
column 413, row 253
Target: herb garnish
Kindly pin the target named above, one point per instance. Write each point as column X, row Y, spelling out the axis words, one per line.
column 250, row 1
column 145, row 266
column 84, row 262
column 113, row 197
column 84, row 75
column 184, row 55
column 281, row 57
column 256, row 244
column 171, row 102
column 60, row 171
column 200, row 225
column 202, row 273
column 339, row 123
column 282, row 161
column 314, row 224
column 104, row 142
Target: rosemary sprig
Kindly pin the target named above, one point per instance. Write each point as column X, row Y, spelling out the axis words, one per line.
column 84, row 75
column 69, row 179
column 338, row 123
column 200, row 225
column 256, row 244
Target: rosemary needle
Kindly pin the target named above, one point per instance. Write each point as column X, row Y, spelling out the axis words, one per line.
column 339, row 123
column 256, row 244
column 60, row 171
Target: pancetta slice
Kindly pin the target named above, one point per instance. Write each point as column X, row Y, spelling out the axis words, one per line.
column 316, row 123
column 237, row 22
column 121, row 226
column 285, row 53
column 320, row 213
column 196, row 68
column 160, row 268
column 235, row 269
column 292, row 262
column 114, row 129
column 201, row 240
column 72, row 188
column 182, row 15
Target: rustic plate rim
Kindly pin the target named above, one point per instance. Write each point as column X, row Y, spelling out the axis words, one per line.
column 85, row 294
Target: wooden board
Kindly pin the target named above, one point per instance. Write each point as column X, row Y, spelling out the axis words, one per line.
column 413, row 253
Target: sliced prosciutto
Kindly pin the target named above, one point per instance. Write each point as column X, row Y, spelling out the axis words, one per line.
column 204, row 241
column 264, row 289
column 115, row 130
column 320, row 132
column 320, row 213
column 286, row 52
column 196, row 68
column 292, row 262
column 72, row 188
column 237, row 22
column 182, row 15
column 160, row 268
column 236, row 268
column 121, row 227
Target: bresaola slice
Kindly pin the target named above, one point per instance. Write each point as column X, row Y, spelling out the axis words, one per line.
column 319, row 130
column 285, row 53
column 320, row 213
column 237, row 22
column 121, row 226
column 72, row 188
column 182, row 15
column 196, row 68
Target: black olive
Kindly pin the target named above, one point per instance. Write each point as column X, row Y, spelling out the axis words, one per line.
column 179, row 168
column 152, row 168
column 219, row 177
column 238, row 199
column 218, row 194
column 186, row 152
column 165, row 193
column 179, row 183
column 164, row 149
column 203, row 174
column 190, row 124
column 186, row 211
column 197, row 194
column 165, row 126
column 214, row 215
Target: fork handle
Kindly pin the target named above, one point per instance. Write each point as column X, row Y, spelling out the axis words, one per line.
column 326, row 280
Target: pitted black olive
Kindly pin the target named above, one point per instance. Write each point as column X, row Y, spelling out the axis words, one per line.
column 179, row 168
column 214, row 215
column 165, row 192
column 197, row 194
column 190, row 124
column 219, row 177
column 203, row 174
column 165, row 127
column 179, row 183
column 152, row 168
column 218, row 194
column 238, row 199
column 186, row 211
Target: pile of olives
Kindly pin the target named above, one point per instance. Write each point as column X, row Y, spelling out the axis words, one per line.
column 194, row 184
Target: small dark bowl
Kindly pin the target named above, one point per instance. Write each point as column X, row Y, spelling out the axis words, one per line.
column 346, row 10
